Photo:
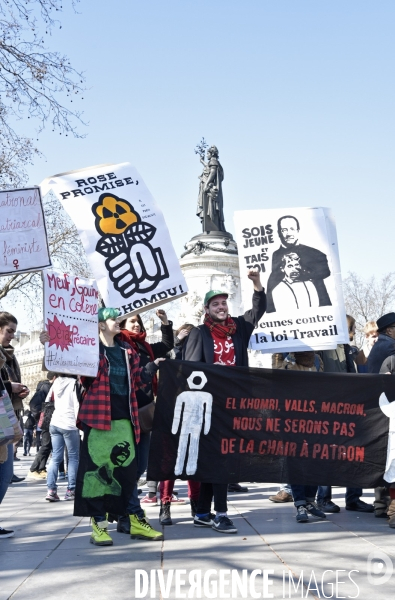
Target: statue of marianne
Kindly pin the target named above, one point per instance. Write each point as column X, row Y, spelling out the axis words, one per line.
column 210, row 206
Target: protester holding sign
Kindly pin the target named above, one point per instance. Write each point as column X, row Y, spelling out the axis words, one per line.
column 10, row 432
column 340, row 360
column 380, row 360
column 385, row 496
column 297, row 361
column 304, row 495
column 223, row 341
column 166, row 488
column 133, row 332
column 109, row 419
column 11, row 372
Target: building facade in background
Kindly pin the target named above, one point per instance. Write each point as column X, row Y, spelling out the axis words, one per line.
column 30, row 353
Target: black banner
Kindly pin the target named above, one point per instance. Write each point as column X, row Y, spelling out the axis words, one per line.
column 229, row 424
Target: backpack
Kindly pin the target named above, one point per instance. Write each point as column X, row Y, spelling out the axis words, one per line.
column 46, row 414
column 38, row 399
column 80, row 391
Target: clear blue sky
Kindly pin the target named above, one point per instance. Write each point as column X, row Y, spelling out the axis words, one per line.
column 298, row 95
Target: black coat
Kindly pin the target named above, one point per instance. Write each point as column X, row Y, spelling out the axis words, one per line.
column 145, row 394
column 388, row 365
column 333, row 363
column 383, row 348
column 30, row 422
column 39, row 396
column 199, row 346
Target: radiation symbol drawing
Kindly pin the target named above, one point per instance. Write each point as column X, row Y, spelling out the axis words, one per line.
column 133, row 264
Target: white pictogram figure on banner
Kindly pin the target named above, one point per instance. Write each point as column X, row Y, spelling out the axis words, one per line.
column 197, row 405
column 388, row 409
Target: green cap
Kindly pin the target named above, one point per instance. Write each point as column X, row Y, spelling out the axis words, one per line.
column 211, row 294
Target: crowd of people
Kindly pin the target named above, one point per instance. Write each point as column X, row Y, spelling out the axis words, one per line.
column 97, row 430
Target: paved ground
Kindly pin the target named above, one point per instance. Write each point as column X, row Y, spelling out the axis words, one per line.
column 50, row 556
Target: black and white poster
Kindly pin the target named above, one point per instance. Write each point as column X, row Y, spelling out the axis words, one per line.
column 224, row 425
column 124, row 235
column 296, row 252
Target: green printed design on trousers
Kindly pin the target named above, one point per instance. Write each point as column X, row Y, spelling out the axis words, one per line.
column 108, row 450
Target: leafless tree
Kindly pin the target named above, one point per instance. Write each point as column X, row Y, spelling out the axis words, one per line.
column 367, row 300
column 41, row 85
column 34, row 81
column 15, row 155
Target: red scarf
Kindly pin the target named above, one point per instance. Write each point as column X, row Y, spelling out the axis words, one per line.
column 220, row 330
column 132, row 339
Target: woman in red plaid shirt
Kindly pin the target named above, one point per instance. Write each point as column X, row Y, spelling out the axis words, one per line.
column 109, row 418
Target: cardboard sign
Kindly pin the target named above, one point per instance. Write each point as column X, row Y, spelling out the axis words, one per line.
column 70, row 317
column 23, row 237
column 124, row 235
column 296, row 252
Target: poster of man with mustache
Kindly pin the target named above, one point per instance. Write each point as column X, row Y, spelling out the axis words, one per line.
column 296, row 252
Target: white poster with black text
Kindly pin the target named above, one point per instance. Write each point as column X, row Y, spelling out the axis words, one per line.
column 296, row 252
column 124, row 235
column 23, row 236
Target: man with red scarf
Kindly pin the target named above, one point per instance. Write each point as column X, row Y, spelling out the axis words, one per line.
column 223, row 341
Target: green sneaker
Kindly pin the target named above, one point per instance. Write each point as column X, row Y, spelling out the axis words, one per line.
column 99, row 535
column 140, row 529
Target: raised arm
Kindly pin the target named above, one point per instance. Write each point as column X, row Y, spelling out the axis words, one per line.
column 253, row 315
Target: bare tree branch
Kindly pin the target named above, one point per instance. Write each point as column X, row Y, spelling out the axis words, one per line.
column 367, row 300
column 35, row 83
column 32, row 78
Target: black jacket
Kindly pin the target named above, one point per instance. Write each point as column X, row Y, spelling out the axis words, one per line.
column 30, row 422
column 333, row 363
column 145, row 394
column 383, row 348
column 388, row 365
column 39, row 396
column 199, row 346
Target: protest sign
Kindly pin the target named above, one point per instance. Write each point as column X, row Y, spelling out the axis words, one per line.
column 124, row 235
column 70, row 316
column 224, row 425
column 23, row 237
column 296, row 252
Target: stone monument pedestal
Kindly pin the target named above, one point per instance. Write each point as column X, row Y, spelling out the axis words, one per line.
column 209, row 262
